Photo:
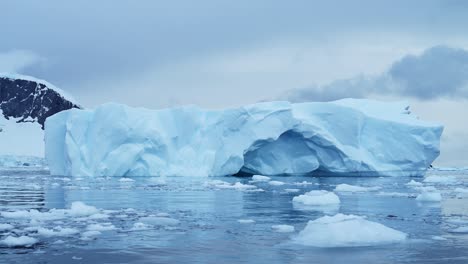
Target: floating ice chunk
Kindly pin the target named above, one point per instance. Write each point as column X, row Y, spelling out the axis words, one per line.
column 276, row 183
column 140, row 226
column 5, row 227
column 317, row 198
column 101, row 227
column 35, row 215
column 347, row 231
column 81, row 209
column 21, row 241
column 303, row 183
column 395, row 194
column 226, row 185
column 89, row 235
column 429, row 197
column 283, row 228
column 439, row 238
column 126, row 180
column 291, row 190
column 414, row 183
column 246, row 221
column 260, row 178
column 59, row 231
column 159, row 221
column 440, row 179
column 353, row 188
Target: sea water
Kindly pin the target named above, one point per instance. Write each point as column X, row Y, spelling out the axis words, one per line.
column 223, row 219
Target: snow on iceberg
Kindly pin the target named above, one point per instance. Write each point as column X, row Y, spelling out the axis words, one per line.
column 352, row 137
column 347, row 231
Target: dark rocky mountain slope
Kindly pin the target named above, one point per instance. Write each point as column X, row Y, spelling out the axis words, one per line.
column 27, row 99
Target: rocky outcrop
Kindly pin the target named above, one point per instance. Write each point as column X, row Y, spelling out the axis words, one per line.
column 27, row 99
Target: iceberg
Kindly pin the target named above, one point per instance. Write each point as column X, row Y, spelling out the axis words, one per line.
column 346, row 137
column 347, row 231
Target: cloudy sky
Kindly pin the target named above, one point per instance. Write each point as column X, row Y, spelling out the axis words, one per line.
column 219, row 53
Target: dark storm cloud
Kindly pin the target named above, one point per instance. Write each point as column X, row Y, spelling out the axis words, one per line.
column 93, row 40
column 438, row 72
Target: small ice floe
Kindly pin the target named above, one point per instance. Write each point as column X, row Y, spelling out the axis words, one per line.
column 226, row 185
column 276, row 183
column 396, row 194
column 354, row 188
column 413, row 183
column 283, row 228
column 260, row 178
column 21, row 241
column 5, row 227
column 76, row 258
column 291, row 190
column 81, row 209
column 246, row 221
column 138, row 226
column 58, row 231
column 440, row 179
column 124, row 179
column 303, row 183
column 159, row 221
column 439, row 238
column 101, row 227
column 430, row 196
column 90, row 235
column 317, row 197
column 347, row 231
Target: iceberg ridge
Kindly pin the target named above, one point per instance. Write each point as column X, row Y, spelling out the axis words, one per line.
column 350, row 136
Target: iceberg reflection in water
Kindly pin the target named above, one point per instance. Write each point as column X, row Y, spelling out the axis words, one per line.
column 190, row 219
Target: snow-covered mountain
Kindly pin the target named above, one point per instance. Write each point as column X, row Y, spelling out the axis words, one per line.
column 25, row 103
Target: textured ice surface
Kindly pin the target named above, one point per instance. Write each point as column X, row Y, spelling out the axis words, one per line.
column 347, row 231
column 347, row 136
column 317, row 198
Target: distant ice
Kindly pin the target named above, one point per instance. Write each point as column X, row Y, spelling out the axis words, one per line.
column 353, row 188
column 429, row 197
column 440, row 179
column 283, row 228
column 58, row 231
column 347, row 231
column 101, row 227
column 246, row 221
column 126, row 180
column 292, row 190
column 414, row 183
column 226, row 185
column 276, row 183
column 260, row 178
column 21, row 241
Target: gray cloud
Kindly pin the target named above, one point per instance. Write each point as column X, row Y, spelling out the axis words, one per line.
column 438, row 72
column 95, row 40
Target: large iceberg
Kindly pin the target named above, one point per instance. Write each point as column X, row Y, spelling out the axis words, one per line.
column 346, row 137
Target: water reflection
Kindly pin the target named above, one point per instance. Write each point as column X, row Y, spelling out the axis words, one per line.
column 209, row 231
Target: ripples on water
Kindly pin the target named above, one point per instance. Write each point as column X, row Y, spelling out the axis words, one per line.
column 205, row 215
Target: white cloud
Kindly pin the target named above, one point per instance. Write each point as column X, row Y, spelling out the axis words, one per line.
column 16, row 60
